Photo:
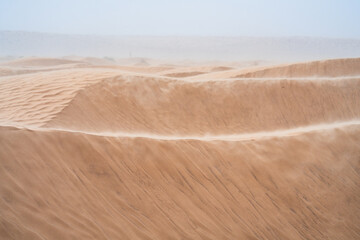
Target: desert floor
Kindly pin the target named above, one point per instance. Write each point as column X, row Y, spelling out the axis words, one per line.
column 94, row 149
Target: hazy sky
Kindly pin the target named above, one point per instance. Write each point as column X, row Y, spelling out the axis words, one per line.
column 324, row 18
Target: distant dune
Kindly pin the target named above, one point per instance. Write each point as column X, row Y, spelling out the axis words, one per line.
column 32, row 65
column 39, row 62
column 328, row 68
column 102, row 148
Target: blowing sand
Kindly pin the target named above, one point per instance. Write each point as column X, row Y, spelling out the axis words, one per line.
column 90, row 150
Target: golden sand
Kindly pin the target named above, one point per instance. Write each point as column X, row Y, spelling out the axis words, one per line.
column 90, row 150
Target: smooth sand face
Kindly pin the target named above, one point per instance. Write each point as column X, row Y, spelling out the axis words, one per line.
column 94, row 150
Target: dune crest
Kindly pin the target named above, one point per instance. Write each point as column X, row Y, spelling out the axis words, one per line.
column 326, row 68
column 166, row 106
column 230, row 137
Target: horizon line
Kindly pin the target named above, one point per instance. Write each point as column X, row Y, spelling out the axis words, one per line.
column 184, row 35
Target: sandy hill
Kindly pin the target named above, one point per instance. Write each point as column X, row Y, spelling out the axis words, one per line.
column 326, row 68
column 167, row 106
column 39, row 62
column 33, row 65
column 126, row 152
column 33, row 99
column 70, row 185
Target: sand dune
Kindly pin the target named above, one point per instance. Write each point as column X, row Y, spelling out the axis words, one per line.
column 327, row 68
column 101, row 151
column 39, row 62
column 33, row 65
column 33, row 99
column 302, row 187
column 166, row 106
column 183, row 74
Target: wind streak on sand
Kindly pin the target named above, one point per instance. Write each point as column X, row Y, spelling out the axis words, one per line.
column 230, row 137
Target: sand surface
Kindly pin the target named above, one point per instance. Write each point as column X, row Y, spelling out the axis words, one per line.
column 99, row 149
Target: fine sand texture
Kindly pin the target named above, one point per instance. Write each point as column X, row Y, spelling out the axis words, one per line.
column 139, row 149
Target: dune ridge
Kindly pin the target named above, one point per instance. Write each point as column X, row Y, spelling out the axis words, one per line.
column 230, row 137
column 39, row 62
column 325, row 68
column 166, row 106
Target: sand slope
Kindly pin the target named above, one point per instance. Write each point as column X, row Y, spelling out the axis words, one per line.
column 124, row 152
column 164, row 106
column 305, row 187
column 33, row 99
column 327, row 68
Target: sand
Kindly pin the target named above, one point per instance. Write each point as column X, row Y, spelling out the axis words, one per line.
column 95, row 149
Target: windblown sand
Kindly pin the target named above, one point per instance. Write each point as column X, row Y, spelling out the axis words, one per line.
column 90, row 150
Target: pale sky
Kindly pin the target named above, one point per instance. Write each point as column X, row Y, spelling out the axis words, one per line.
column 318, row 18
